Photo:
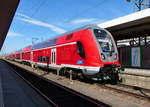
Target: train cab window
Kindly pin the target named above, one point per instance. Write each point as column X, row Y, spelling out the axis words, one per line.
column 80, row 50
column 100, row 33
column 104, row 40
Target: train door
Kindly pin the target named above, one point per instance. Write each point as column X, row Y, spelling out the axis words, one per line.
column 53, row 56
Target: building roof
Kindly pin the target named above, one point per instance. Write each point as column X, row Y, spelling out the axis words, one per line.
column 132, row 25
column 7, row 11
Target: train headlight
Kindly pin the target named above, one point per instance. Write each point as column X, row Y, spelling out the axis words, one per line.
column 103, row 56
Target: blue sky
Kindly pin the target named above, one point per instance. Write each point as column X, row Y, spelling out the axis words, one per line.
column 44, row 19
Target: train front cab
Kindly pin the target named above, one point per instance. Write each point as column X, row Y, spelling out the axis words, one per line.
column 108, row 65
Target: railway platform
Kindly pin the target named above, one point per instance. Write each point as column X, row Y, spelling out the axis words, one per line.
column 135, row 71
column 136, row 77
column 14, row 92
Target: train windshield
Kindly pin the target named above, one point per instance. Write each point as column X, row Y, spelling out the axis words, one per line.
column 104, row 40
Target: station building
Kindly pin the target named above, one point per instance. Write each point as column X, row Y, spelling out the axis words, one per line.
column 132, row 35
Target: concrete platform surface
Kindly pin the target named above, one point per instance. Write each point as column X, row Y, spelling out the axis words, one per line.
column 134, row 71
column 14, row 92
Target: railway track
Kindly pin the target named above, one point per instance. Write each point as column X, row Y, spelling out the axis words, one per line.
column 129, row 90
column 56, row 94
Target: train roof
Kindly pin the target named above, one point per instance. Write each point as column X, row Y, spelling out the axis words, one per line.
column 18, row 51
column 7, row 11
column 28, row 48
column 81, row 28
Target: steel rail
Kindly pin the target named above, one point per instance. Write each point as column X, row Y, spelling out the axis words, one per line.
column 142, row 90
column 124, row 92
column 134, row 87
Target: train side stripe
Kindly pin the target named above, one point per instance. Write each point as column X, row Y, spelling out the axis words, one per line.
column 68, row 65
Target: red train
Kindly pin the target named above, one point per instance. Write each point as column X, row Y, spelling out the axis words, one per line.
column 89, row 51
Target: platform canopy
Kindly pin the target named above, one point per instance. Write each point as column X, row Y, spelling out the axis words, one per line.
column 7, row 11
column 133, row 25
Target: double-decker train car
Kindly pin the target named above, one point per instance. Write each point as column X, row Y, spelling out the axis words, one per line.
column 89, row 51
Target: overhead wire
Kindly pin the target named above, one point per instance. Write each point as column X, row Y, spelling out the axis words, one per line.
column 34, row 13
column 84, row 11
column 66, row 21
column 75, row 16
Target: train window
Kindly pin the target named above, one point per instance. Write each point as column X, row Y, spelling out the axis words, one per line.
column 100, row 33
column 54, row 57
column 104, row 40
column 40, row 58
column 18, row 57
column 80, row 49
column 45, row 59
